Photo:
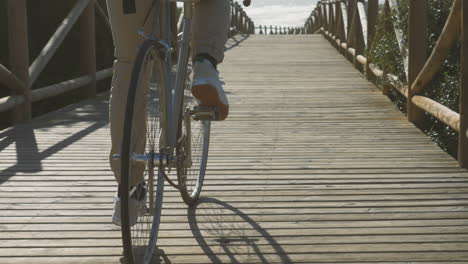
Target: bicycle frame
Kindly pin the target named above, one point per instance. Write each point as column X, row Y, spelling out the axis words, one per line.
column 174, row 95
column 184, row 52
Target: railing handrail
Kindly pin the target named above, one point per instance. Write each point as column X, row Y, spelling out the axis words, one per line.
column 281, row 30
column 332, row 19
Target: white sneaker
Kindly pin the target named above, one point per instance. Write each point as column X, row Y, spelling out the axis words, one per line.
column 208, row 88
column 137, row 209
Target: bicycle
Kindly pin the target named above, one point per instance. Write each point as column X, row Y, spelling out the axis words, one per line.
column 177, row 129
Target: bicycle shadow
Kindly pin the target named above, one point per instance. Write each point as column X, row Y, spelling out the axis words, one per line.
column 159, row 256
column 227, row 235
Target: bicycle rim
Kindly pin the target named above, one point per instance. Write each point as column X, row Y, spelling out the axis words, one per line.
column 192, row 148
column 144, row 124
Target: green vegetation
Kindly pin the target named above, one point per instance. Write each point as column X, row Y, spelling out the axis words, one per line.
column 445, row 87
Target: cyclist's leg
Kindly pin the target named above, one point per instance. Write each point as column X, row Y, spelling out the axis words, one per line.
column 211, row 20
column 210, row 30
column 126, row 42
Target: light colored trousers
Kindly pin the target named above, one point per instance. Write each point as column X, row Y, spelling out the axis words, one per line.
column 209, row 35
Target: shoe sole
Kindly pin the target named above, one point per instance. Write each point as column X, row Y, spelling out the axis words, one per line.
column 208, row 96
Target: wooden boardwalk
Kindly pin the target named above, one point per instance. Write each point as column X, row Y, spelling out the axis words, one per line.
column 314, row 165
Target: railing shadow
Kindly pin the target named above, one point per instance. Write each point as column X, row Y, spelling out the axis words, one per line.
column 29, row 157
column 224, row 240
column 235, row 41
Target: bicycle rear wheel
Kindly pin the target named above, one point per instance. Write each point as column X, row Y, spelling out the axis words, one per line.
column 144, row 138
column 192, row 147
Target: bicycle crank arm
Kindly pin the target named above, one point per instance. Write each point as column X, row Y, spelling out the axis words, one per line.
column 158, row 159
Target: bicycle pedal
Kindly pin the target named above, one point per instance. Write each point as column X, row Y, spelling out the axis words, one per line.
column 202, row 112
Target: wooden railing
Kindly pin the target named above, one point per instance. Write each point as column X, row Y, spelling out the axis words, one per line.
column 280, row 30
column 240, row 22
column 350, row 26
column 21, row 76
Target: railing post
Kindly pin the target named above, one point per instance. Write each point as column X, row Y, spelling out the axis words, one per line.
column 245, row 25
column 417, row 54
column 372, row 14
column 316, row 25
column 463, row 135
column 336, row 5
column 351, row 6
column 19, row 53
column 232, row 24
column 88, row 48
column 237, row 17
column 330, row 17
column 325, row 16
column 319, row 15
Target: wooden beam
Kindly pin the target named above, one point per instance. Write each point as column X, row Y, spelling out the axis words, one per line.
column 417, row 55
column 19, row 55
column 439, row 111
column 360, row 33
column 88, row 48
column 350, row 6
column 50, row 91
column 56, row 40
column 344, row 17
column 361, row 10
column 463, row 135
column 12, row 82
column 447, row 39
column 392, row 6
column 103, row 15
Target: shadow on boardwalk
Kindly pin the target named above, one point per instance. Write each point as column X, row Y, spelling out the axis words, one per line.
column 29, row 157
column 242, row 241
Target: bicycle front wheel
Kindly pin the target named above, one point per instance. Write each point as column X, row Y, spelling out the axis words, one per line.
column 142, row 183
column 192, row 147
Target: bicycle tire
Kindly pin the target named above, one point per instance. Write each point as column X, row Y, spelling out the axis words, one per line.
column 139, row 239
column 191, row 178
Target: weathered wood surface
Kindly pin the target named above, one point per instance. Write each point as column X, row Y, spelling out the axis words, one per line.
column 314, row 165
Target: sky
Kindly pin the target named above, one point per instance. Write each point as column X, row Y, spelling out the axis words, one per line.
column 280, row 12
